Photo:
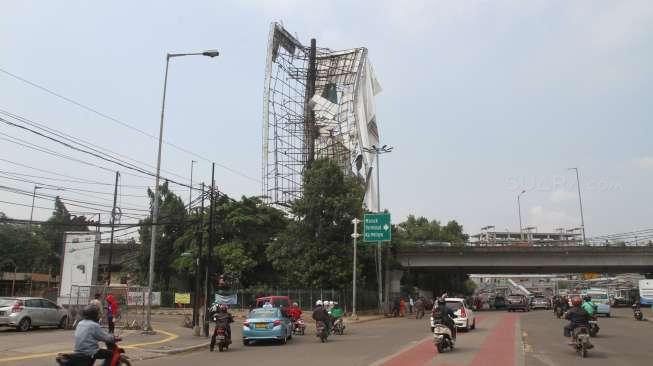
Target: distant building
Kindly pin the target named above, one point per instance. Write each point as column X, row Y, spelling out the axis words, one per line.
column 528, row 237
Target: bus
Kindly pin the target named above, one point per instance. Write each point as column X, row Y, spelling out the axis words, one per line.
column 646, row 292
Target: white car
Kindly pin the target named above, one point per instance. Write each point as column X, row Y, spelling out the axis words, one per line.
column 465, row 318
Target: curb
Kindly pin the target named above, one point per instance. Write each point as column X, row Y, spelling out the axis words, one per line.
column 173, row 351
column 365, row 320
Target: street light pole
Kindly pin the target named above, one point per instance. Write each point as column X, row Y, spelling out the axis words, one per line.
column 580, row 202
column 147, row 328
column 521, row 230
column 378, row 151
column 355, row 235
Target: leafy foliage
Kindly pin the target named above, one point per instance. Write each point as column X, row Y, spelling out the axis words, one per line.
column 172, row 225
column 315, row 249
column 54, row 229
column 26, row 250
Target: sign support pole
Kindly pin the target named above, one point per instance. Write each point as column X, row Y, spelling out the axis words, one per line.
column 355, row 235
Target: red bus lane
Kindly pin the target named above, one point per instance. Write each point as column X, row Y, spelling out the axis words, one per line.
column 423, row 353
column 498, row 347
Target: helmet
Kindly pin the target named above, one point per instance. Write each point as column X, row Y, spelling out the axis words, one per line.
column 587, row 298
column 295, row 304
column 576, row 301
column 91, row 312
column 318, row 303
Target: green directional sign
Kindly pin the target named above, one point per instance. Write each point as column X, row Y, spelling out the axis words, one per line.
column 376, row 227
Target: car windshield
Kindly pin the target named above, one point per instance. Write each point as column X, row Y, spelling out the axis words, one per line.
column 264, row 313
column 7, row 302
column 454, row 305
column 599, row 296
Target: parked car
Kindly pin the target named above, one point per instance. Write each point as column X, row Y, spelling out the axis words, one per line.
column 518, row 302
column 465, row 318
column 540, row 302
column 24, row 313
column 266, row 324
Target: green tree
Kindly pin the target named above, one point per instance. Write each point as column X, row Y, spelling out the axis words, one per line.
column 55, row 227
column 315, row 249
column 172, row 225
column 26, row 250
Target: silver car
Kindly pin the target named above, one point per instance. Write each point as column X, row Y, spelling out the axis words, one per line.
column 24, row 313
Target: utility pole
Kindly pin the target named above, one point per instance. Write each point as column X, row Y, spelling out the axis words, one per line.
column 31, row 215
column 190, row 190
column 113, row 225
column 355, row 235
column 208, row 286
column 200, row 239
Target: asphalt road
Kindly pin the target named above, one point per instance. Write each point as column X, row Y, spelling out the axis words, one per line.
column 621, row 341
column 388, row 342
column 513, row 339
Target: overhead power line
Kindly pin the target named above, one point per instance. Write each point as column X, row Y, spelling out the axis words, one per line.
column 124, row 124
column 80, row 141
column 71, row 178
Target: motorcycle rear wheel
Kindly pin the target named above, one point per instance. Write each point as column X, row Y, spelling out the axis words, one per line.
column 439, row 347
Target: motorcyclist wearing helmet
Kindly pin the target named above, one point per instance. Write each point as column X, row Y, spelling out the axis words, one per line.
column 577, row 316
column 88, row 333
column 443, row 314
column 588, row 305
column 222, row 317
column 320, row 314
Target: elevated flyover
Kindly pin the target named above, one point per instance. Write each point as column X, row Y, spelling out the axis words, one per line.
column 545, row 259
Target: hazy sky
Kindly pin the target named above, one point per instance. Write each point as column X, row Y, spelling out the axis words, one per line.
column 481, row 99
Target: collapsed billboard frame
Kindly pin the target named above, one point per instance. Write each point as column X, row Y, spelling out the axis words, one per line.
column 317, row 103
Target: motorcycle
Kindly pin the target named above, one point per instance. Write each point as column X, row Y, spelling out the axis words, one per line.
column 637, row 313
column 219, row 336
column 338, row 326
column 298, row 327
column 442, row 337
column 594, row 326
column 581, row 341
column 321, row 331
column 118, row 357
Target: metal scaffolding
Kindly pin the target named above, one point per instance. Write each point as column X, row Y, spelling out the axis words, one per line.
column 311, row 109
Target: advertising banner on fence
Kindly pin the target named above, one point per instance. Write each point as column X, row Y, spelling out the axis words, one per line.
column 182, row 298
column 136, row 298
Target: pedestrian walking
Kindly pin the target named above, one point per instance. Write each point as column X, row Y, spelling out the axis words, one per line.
column 419, row 308
column 411, row 303
column 112, row 312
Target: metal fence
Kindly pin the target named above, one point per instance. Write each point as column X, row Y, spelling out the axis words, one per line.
column 306, row 298
column 131, row 301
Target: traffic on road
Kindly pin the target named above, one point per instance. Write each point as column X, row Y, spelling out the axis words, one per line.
column 454, row 334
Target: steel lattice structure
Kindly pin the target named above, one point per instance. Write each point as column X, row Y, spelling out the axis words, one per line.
column 316, row 104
